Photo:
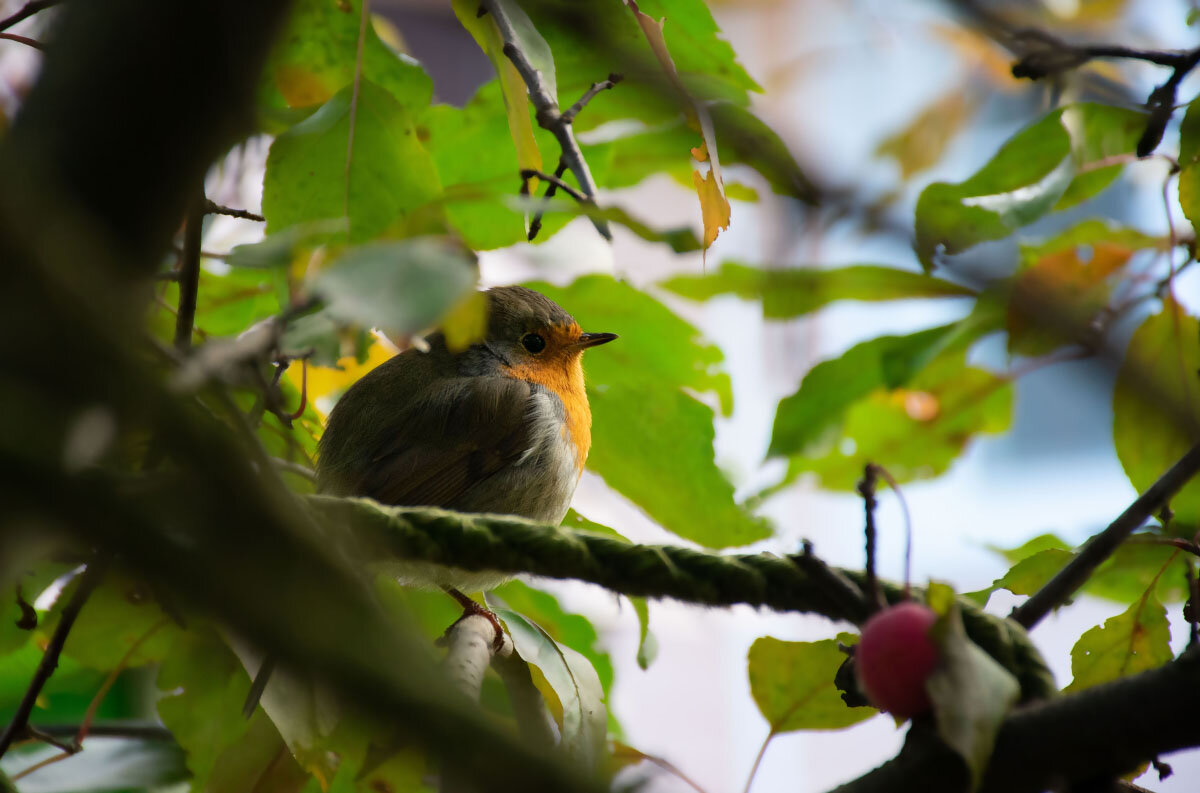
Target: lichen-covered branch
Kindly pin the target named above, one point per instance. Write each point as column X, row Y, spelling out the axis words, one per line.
column 493, row 542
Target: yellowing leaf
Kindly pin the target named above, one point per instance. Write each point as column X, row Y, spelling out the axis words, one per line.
column 466, row 323
column 324, row 381
column 920, row 145
column 300, row 87
column 516, row 96
column 714, row 207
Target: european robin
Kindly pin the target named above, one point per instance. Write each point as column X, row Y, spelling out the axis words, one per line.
column 502, row 426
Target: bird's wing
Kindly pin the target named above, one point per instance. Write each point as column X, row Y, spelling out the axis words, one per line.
column 447, row 440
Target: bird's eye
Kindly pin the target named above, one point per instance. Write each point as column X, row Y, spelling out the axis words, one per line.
column 533, row 342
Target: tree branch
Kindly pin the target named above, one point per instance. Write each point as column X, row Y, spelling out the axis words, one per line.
column 509, row 544
column 546, row 106
column 1068, row 738
column 213, row 208
column 26, row 11
column 1051, row 55
column 1058, row 589
column 28, row 42
column 470, row 648
column 88, row 580
column 189, row 273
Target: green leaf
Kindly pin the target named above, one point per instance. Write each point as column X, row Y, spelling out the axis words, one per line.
column 1040, row 543
column 108, row 764
column 915, row 432
column 1131, row 642
column 390, row 174
column 401, row 287
column 280, row 249
column 1156, row 409
column 565, row 628
column 793, row 292
column 647, row 644
column 647, row 649
column 1036, row 171
column 315, row 55
column 792, row 684
column 1020, row 184
column 120, row 613
column 1028, row 575
column 204, row 687
column 1090, row 234
column 971, row 694
column 651, row 440
column 808, row 422
column 229, row 301
column 34, row 576
column 1099, row 132
column 573, row 680
column 1189, row 161
column 476, row 160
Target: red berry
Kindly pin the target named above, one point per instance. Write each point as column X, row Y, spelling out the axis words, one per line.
column 894, row 658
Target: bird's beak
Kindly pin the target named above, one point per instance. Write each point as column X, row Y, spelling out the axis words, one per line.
column 594, row 339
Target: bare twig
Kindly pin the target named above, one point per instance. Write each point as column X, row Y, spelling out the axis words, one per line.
column 535, row 225
column 470, row 648
column 189, row 274
column 866, row 489
column 28, row 42
column 88, row 580
column 554, row 181
column 294, row 468
column 364, row 14
column 589, row 95
column 908, row 525
column 1050, row 55
column 546, row 106
column 1100, row 547
column 213, row 208
column 26, row 11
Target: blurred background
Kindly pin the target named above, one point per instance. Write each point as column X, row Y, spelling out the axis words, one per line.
column 876, row 100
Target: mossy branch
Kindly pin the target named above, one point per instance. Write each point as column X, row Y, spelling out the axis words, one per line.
column 513, row 545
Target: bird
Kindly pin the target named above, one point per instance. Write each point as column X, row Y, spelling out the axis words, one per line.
column 501, row 427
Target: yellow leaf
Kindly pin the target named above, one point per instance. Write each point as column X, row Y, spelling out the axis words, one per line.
column 300, row 87
column 714, row 207
column 920, row 145
column 466, row 323
column 516, row 95
column 324, row 381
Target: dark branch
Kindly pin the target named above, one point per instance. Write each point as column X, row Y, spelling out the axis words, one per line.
column 840, row 589
column 88, row 580
column 26, row 11
column 1100, row 547
column 213, row 208
column 546, row 106
column 28, row 42
column 866, row 489
column 189, row 274
column 554, row 181
column 1066, row 739
column 589, row 95
column 141, row 730
column 535, row 225
column 1050, row 55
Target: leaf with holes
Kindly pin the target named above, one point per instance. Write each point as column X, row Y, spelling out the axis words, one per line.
column 792, row 684
column 1134, row 641
column 1156, row 405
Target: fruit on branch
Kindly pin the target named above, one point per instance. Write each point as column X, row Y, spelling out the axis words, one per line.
column 895, row 657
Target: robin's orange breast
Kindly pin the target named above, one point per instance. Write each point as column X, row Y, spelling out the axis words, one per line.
column 562, row 374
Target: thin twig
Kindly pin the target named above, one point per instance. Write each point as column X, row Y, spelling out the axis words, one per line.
column 546, row 106
column 28, row 42
column 294, row 468
column 144, row 730
column 554, row 181
column 26, row 11
column 535, row 226
column 1101, row 546
column 589, row 95
column 866, row 489
column 87, row 582
column 189, row 274
column 1051, row 55
column 213, row 208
